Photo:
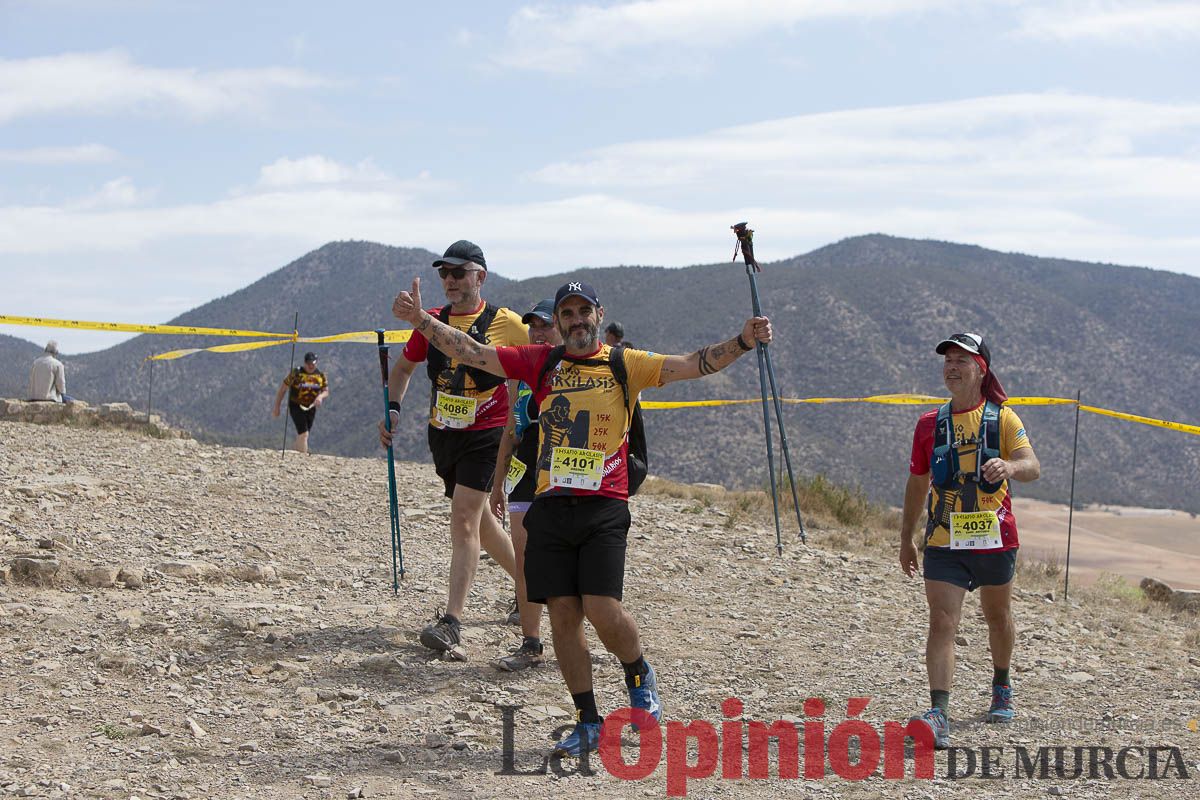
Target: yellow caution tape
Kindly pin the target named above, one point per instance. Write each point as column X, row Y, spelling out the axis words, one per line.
column 123, row 327
column 664, row 404
column 884, row 399
column 237, row 347
column 917, row 399
column 366, row 337
column 369, row 337
column 1161, row 423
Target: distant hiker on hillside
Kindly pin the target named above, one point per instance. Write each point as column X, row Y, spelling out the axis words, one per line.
column 578, row 522
column 467, row 411
column 516, row 472
column 614, row 335
column 48, row 377
column 307, row 389
column 964, row 455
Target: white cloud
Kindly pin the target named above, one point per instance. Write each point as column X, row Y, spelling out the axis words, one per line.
column 1120, row 21
column 316, row 169
column 1034, row 146
column 562, row 39
column 79, row 154
column 110, row 82
column 1060, row 175
column 117, row 193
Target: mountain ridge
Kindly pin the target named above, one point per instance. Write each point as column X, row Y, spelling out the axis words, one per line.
column 853, row 318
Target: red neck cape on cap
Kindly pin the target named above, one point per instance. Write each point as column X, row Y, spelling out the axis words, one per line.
column 991, row 389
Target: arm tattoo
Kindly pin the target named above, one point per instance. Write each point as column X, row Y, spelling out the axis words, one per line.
column 452, row 341
column 717, row 357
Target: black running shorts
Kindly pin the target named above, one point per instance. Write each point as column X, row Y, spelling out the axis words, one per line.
column 303, row 420
column 527, row 452
column 967, row 569
column 576, row 546
column 465, row 458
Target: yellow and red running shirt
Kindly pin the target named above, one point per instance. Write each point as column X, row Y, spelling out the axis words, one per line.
column 966, row 426
column 304, row 386
column 583, row 406
column 491, row 409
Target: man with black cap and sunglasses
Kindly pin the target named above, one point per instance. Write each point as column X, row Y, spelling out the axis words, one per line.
column 467, row 411
column 307, row 388
column 965, row 455
column 579, row 520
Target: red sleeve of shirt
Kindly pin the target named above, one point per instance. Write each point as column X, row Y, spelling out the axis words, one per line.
column 416, row 349
column 523, row 362
column 922, row 447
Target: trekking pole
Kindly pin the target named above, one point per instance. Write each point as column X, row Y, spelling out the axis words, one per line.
column 1071, row 502
column 766, row 371
column 292, row 366
column 393, row 506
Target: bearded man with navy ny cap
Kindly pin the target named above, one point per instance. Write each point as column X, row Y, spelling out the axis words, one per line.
column 579, row 520
column 965, row 455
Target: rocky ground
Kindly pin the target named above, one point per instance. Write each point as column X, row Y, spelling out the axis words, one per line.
column 180, row 620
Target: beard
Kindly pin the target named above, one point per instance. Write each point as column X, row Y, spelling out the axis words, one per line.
column 583, row 336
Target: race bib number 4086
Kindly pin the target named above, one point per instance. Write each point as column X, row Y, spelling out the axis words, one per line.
column 975, row 530
column 454, row 411
column 576, row 468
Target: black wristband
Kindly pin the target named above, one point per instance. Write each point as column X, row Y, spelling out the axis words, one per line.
column 745, row 347
column 393, row 406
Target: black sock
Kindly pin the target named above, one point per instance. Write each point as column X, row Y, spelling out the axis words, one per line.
column 940, row 698
column 453, row 620
column 635, row 671
column 999, row 676
column 532, row 640
column 585, row 706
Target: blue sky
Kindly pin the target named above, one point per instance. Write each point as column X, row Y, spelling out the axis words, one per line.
column 154, row 155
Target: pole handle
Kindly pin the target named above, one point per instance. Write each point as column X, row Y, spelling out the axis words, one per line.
column 383, row 357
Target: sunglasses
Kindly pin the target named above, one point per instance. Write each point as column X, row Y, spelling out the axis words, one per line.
column 963, row 339
column 458, row 273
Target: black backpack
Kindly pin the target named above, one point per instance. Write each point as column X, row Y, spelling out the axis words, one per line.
column 638, row 461
column 437, row 361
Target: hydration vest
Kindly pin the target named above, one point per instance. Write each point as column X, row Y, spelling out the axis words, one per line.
column 944, row 467
column 436, row 362
column 637, row 464
column 525, row 411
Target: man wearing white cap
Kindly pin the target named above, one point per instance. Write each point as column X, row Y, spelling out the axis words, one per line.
column 964, row 457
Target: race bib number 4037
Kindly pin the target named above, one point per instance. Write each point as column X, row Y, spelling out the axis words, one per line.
column 975, row 530
column 576, row 468
column 454, row 411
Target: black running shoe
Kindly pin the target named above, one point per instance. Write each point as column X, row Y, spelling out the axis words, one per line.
column 444, row 634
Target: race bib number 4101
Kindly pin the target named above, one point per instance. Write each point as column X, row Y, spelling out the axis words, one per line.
column 454, row 411
column 975, row 530
column 576, row 468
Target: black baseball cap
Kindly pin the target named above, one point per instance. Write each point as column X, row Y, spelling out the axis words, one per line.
column 310, row 357
column 462, row 252
column 543, row 310
column 616, row 329
column 577, row 289
column 971, row 342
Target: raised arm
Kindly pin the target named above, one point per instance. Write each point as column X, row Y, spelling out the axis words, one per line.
column 452, row 342
column 716, row 357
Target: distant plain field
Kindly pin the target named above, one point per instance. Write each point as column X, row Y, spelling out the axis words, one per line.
column 1130, row 542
